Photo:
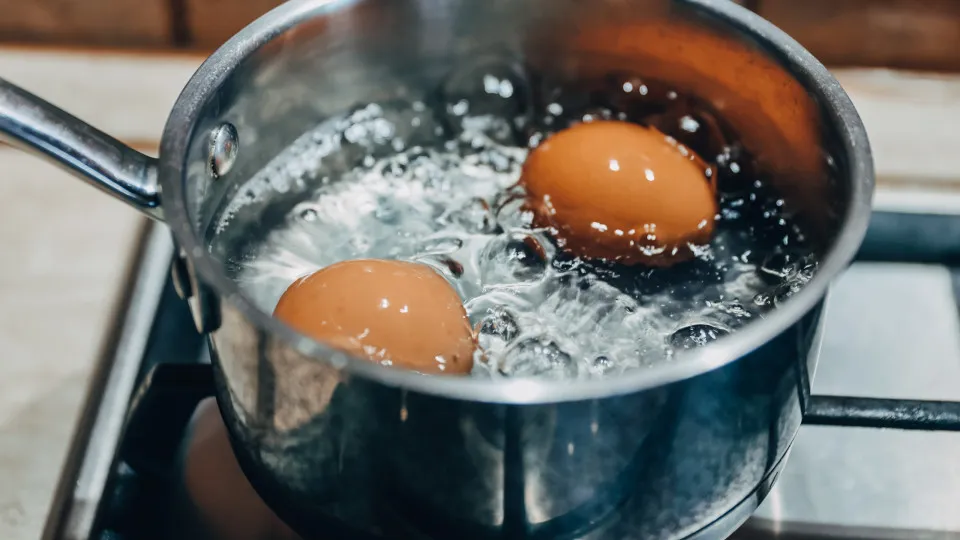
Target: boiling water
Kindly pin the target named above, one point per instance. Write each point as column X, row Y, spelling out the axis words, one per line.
column 436, row 183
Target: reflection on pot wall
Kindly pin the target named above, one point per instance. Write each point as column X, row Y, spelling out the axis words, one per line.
column 366, row 459
column 514, row 468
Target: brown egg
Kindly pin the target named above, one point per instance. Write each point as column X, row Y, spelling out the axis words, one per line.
column 772, row 114
column 618, row 191
column 396, row 313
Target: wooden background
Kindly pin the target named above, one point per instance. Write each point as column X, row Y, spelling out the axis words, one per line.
column 154, row 24
column 911, row 34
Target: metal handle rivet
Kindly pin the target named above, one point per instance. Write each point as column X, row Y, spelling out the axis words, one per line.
column 224, row 145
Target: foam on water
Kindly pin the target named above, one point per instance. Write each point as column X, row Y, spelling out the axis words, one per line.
column 437, row 184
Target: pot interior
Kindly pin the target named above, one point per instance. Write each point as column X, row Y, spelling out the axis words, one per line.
column 344, row 86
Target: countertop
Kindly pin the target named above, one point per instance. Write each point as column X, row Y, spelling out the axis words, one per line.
column 67, row 246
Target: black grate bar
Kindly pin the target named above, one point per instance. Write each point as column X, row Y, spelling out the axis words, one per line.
column 912, row 238
column 882, row 413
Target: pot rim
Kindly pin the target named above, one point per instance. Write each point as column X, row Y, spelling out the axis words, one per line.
column 839, row 110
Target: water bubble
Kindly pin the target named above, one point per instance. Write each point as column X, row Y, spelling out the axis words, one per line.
column 367, row 127
column 734, row 309
column 510, row 211
column 539, row 357
column 696, row 335
column 534, row 139
column 361, row 245
column 729, row 214
column 431, row 170
column 309, row 215
column 808, row 268
column 594, row 114
column 497, row 329
column 779, row 266
column 493, row 158
column 460, row 108
column 694, row 128
column 396, row 167
column 689, row 124
column 733, row 168
column 475, row 217
column 492, row 87
column 439, row 245
column 499, row 322
column 602, row 364
column 387, row 212
column 513, row 258
column 482, row 132
column 398, row 125
column 787, row 291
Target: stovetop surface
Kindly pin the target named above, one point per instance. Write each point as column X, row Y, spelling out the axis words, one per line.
column 892, row 330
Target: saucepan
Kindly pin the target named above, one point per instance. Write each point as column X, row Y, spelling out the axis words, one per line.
column 341, row 446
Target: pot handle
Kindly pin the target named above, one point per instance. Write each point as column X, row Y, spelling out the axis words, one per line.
column 32, row 124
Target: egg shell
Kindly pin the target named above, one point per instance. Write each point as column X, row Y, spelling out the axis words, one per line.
column 622, row 192
column 396, row 313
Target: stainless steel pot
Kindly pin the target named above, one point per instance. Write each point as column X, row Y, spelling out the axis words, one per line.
column 336, row 445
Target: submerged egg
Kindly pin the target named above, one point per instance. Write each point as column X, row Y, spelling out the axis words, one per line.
column 397, row 313
column 619, row 191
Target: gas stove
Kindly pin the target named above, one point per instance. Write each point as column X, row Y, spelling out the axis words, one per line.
column 892, row 331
